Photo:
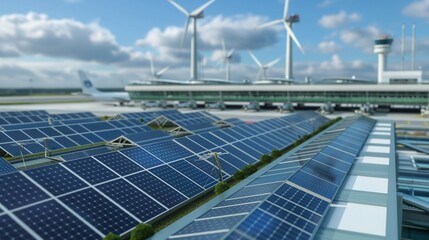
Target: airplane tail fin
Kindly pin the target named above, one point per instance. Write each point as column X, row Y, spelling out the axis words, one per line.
column 87, row 86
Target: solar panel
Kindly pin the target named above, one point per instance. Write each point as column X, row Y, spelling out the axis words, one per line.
column 118, row 163
column 109, row 135
column 132, row 199
column 4, row 138
column 100, row 212
column 247, row 159
column 6, row 167
column 248, row 150
column 142, row 157
column 50, row 220
column 99, row 126
column 34, row 147
column 64, row 130
column 56, row 179
column 13, row 149
column 79, row 139
column 17, row 135
column 9, row 229
column 168, row 151
column 191, row 145
column 217, row 141
column 157, row 189
column 202, row 141
column 91, row 170
column 34, row 133
column 92, row 137
column 198, row 176
column 18, row 191
column 65, row 141
column 49, row 131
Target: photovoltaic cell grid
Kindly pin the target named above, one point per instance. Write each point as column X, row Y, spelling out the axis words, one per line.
column 280, row 209
column 292, row 213
column 6, row 167
column 87, row 187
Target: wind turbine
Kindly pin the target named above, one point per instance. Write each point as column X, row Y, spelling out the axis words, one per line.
column 196, row 14
column 263, row 68
column 227, row 56
column 287, row 21
column 155, row 74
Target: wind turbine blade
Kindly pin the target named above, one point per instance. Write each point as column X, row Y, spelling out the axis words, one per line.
column 162, row 71
column 286, row 9
column 269, row 24
column 272, row 63
column 290, row 32
column 231, row 52
column 199, row 10
column 179, row 7
column 255, row 58
column 152, row 68
column 185, row 31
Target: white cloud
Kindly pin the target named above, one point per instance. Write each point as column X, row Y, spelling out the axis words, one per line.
column 338, row 20
column 418, row 9
column 327, row 3
column 36, row 34
column 362, row 38
column 328, row 47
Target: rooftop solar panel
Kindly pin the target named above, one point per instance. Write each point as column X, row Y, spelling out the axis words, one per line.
column 91, row 170
column 168, row 151
column 118, row 163
column 142, row 157
column 177, row 180
column 198, row 176
column 9, row 229
column 132, row 199
column 4, row 138
column 17, row 135
column 49, row 131
column 56, row 179
column 50, row 220
column 34, row 133
column 191, row 145
column 18, row 191
column 100, row 212
column 6, row 167
column 157, row 189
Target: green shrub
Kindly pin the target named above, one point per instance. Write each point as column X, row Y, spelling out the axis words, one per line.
column 221, row 187
column 142, row 231
column 239, row 175
column 275, row 154
column 111, row 236
column 249, row 170
column 265, row 159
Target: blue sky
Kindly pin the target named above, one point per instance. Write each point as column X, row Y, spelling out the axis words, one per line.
column 48, row 40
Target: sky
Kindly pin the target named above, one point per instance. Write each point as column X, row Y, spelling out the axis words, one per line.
column 45, row 42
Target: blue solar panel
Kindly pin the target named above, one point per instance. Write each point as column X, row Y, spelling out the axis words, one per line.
column 157, row 189
column 248, row 150
column 65, row 141
column 269, row 227
column 18, row 191
column 79, row 139
column 34, row 147
column 13, row 149
column 92, row 137
column 314, row 184
column 204, row 166
column 257, row 146
column 142, row 157
column 119, row 163
column 118, row 124
column 225, row 137
column 12, row 120
column 99, row 126
column 194, row 173
column 177, row 180
column 332, row 162
column 24, row 119
column 34, row 133
column 339, row 154
column 132, row 199
column 210, row 225
column 56, row 179
column 50, row 220
column 64, row 130
column 168, row 151
column 4, row 138
column 243, row 208
column 109, row 135
column 191, row 145
column 49, row 131
column 17, row 135
column 9, row 229
column 217, row 141
column 6, row 167
column 91, row 170
column 99, row 211
column 202, row 141
column 78, row 128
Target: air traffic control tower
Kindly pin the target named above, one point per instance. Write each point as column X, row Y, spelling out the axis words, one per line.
column 382, row 47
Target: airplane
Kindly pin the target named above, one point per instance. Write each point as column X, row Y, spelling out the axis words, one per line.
column 89, row 89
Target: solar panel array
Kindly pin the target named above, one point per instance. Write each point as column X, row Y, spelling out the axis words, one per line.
column 290, row 200
column 113, row 192
column 34, row 140
column 6, row 167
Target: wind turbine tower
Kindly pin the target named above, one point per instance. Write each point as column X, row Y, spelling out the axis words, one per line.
column 288, row 21
column 227, row 56
column 194, row 16
column 382, row 47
